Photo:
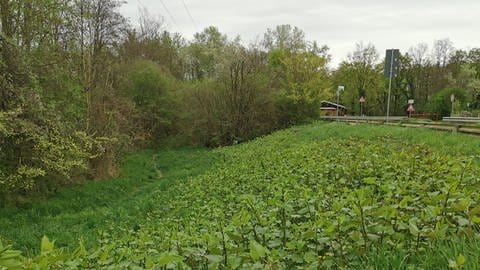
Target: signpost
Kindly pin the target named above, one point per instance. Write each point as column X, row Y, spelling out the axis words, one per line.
column 410, row 110
column 362, row 101
column 390, row 70
column 452, row 99
column 340, row 88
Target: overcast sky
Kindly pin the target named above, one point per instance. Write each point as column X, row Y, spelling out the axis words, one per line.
column 339, row 24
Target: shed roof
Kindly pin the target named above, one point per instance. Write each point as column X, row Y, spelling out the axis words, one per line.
column 332, row 104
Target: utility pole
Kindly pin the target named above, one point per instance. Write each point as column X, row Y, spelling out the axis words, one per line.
column 339, row 89
column 389, row 87
column 452, row 99
column 362, row 101
column 391, row 64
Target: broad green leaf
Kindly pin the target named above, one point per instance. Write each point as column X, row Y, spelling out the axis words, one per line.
column 413, row 228
column 215, row 258
column 370, row 180
column 356, row 235
column 257, row 251
column 169, row 258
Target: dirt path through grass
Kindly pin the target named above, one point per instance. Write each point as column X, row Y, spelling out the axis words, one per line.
column 84, row 210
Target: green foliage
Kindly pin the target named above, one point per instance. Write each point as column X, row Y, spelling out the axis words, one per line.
column 98, row 205
column 246, row 101
column 362, row 76
column 457, row 253
column 152, row 91
column 285, row 37
column 442, row 104
column 82, row 76
column 303, row 83
column 301, row 77
column 320, row 196
column 76, row 94
column 234, row 106
column 468, row 80
column 204, row 53
column 35, row 153
column 37, row 150
column 10, row 259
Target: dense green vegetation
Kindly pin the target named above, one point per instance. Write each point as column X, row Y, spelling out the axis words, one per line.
column 82, row 89
column 80, row 86
column 96, row 206
column 324, row 195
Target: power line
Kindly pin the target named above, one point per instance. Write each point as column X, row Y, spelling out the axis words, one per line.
column 170, row 14
column 190, row 15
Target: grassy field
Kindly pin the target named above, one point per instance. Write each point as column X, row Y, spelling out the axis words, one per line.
column 86, row 210
column 325, row 195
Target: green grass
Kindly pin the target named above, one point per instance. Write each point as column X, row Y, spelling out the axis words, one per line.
column 442, row 141
column 82, row 210
column 442, row 255
column 254, row 203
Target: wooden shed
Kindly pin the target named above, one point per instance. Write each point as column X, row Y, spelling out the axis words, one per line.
column 328, row 108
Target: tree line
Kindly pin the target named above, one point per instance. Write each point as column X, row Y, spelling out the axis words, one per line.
column 429, row 76
column 80, row 86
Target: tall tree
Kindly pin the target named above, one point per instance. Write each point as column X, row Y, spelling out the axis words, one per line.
column 245, row 88
column 285, row 37
column 100, row 27
column 204, row 52
column 38, row 150
column 361, row 75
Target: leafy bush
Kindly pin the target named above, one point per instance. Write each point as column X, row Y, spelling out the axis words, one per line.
column 35, row 153
column 152, row 91
column 441, row 103
column 38, row 151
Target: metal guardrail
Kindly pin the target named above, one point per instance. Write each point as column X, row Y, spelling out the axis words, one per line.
column 364, row 118
column 453, row 124
column 462, row 119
